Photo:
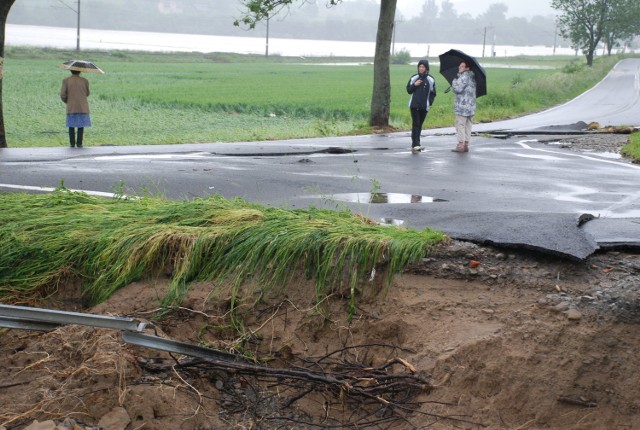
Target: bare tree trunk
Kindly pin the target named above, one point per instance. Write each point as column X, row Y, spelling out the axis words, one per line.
column 381, row 97
column 590, row 58
column 5, row 6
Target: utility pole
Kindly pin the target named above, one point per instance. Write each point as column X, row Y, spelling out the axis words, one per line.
column 78, row 29
column 393, row 35
column 484, row 41
column 266, row 49
column 484, row 38
column 77, row 12
column 393, row 39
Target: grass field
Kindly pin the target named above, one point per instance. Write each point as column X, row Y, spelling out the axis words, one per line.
column 186, row 98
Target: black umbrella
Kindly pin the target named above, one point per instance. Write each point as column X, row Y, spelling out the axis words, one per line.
column 449, row 62
column 81, row 66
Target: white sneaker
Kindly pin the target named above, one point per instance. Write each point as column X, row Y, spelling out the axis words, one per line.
column 416, row 148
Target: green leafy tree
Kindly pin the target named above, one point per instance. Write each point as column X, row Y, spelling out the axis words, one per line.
column 259, row 10
column 5, row 6
column 624, row 24
column 587, row 22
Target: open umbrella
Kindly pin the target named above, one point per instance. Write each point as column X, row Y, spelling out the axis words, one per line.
column 81, row 66
column 449, row 62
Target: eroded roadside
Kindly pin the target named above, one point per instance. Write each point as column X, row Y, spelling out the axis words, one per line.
column 507, row 338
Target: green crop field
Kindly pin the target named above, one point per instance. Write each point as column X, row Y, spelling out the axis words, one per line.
column 187, row 98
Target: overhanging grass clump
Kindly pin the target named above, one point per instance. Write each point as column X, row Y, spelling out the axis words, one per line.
column 48, row 239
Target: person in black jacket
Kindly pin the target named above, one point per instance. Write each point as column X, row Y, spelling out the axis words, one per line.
column 422, row 87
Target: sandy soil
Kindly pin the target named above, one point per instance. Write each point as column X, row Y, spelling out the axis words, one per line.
column 494, row 339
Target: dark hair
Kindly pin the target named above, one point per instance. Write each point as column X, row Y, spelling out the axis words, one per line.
column 75, row 72
column 468, row 64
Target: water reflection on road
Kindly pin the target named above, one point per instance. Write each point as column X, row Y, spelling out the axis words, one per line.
column 393, row 198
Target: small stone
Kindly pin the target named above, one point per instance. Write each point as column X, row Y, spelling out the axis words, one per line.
column 488, row 311
column 611, row 342
column 501, row 256
column 44, row 425
column 115, row 419
column 574, row 315
column 69, row 424
column 561, row 307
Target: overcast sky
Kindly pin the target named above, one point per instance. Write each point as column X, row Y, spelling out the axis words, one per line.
column 517, row 8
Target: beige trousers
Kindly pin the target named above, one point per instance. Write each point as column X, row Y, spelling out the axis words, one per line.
column 463, row 128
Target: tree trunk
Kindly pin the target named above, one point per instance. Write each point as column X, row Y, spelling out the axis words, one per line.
column 381, row 97
column 590, row 58
column 5, row 6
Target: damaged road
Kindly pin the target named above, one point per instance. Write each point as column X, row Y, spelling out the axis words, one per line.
column 516, row 191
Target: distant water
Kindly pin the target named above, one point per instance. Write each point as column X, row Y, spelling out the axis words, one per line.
column 58, row 37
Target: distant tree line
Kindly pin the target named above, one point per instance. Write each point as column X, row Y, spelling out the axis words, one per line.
column 439, row 22
column 356, row 20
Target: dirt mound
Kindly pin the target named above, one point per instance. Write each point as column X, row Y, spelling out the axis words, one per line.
column 503, row 340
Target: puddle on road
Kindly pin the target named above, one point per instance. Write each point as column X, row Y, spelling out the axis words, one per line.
column 393, row 198
column 391, row 221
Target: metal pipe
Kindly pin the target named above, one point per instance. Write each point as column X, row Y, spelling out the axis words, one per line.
column 64, row 317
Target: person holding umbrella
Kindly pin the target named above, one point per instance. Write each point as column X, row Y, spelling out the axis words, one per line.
column 464, row 106
column 74, row 93
column 468, row 80
column 422, row 87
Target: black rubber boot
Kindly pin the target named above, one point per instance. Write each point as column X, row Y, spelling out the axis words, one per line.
column 80, row 136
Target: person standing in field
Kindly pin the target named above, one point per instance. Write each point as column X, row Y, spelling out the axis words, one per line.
column 422, row 87
column 74, row 93
column 464, row 106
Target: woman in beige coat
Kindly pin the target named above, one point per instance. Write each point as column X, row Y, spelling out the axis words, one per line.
column 74, row 92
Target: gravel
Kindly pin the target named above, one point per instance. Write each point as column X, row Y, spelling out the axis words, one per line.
column 602, row 143
column 604, row 286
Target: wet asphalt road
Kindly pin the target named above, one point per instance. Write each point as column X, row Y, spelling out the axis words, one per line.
column 513, row 191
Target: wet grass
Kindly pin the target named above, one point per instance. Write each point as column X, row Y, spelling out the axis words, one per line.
column 632, row 149
column 49, row 240
column 152, row 98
